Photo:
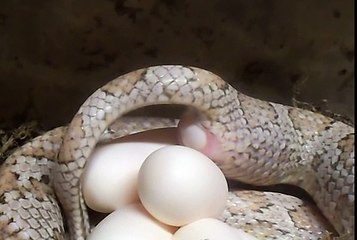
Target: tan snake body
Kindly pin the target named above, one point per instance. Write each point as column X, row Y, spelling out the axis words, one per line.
column 262, row 143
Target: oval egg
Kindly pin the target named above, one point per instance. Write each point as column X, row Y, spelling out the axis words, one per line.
column 131, row 222
column 179, row 185
column 109, row 180
column 212, row 229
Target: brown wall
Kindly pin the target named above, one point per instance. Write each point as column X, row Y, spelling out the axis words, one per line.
column 53, row 54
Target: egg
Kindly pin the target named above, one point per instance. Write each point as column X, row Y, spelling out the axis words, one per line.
column 210, row 229
column 131, row 222
column 179, row 185
column 109, row 180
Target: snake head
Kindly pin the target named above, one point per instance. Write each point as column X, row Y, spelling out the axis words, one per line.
column 247, row 138
column 196, row 132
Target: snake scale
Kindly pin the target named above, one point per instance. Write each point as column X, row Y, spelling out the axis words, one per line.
column 262, row 143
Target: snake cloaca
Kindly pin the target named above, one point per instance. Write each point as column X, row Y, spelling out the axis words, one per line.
column 263, row 143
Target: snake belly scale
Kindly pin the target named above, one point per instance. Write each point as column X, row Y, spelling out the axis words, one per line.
column 263, row 143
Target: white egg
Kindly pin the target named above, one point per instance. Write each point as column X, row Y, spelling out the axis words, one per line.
column 131, row 222
column 210, row 229
column 109, row 180
column 179, row 185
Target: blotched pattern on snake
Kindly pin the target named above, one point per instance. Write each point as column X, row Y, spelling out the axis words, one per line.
column 256, row 142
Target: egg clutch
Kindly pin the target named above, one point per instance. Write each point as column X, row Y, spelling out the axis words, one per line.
column 156, row 190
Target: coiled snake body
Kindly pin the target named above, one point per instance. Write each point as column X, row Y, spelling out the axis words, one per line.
column 263, row 143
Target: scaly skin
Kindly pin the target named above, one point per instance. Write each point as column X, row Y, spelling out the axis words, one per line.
column 261, row 143
column 25, row 214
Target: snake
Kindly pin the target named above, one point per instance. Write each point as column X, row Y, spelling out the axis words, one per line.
column 254, row 141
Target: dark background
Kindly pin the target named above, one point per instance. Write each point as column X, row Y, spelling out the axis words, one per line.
column 55, row 53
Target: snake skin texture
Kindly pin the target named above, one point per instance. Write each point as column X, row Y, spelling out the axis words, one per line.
column 30, row 217
column 263, row 143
